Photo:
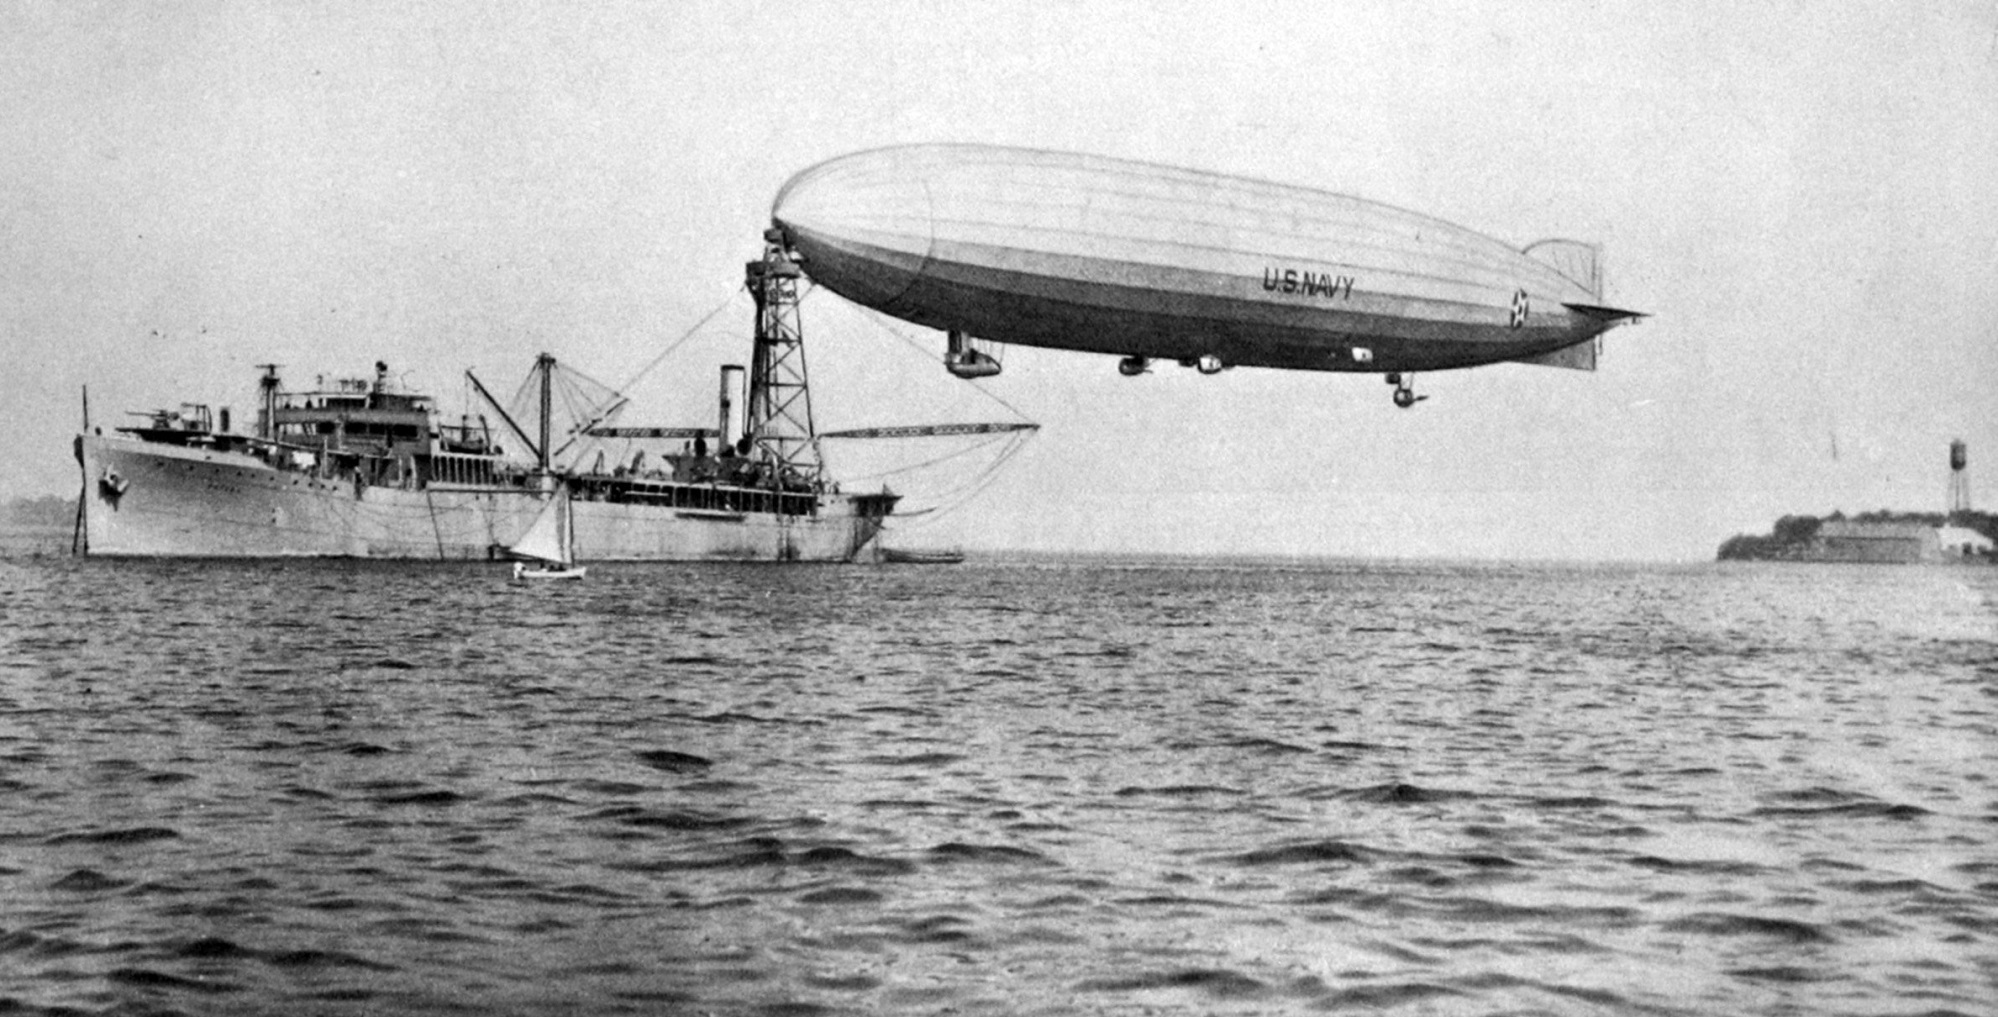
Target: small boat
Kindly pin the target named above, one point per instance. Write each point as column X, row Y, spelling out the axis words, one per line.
column 899, row 556
column 549, row 544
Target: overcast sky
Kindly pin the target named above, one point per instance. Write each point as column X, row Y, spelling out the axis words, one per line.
column 1801, row 196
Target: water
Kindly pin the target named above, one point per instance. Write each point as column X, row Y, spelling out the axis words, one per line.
column 1026, row 787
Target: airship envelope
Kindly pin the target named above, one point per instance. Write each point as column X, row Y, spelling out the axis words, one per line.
column 1112, row 256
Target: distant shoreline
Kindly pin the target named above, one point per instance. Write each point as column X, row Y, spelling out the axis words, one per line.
column 1882, row 537
column 31, row 540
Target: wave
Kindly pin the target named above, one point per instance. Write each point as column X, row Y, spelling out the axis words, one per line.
column 130, row 835
column 1483, row 909
column 1782, row 975
column 897, row 711
column 1220, row 983
column 1701, row 866
column 738, row 717
column 644, row 818
column 1520, row 943
column 1389, row 793
column 39, row 944
column 673, row 762
column 611, row 788
column 148, row 978
column 212, row 947
column 88, row 881
column 311, row 959
column 434, row 797
column 1868, row 809
column 1176, row 791
column 935, row 929
column 1383, row 997
column 836, row 895
column 847, row 860
column 1721, row 924
column 1002, row 854
column 1264, row 745
column 1317, row 852
column 1352, row 746
column 918, row 759
column 1571, row 802
column 1486, row 982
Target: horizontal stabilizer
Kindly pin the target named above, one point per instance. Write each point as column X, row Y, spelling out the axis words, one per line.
column 1610, row 315
column 1579, row 357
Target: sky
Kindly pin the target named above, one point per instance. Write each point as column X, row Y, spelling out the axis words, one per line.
column 1799, row 195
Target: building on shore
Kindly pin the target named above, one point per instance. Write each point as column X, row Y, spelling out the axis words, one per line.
column 1960, row 534
column 1846, row 540
column 1962, row 542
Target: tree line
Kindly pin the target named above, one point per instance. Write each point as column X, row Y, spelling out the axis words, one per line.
column 1792, row 534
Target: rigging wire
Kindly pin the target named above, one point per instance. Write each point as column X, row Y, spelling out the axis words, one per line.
column 967, row 493
column 877, row 319
column 580, row 405
column 576, row 402
column 677, row 343
column 954, row 498
column 927, row 463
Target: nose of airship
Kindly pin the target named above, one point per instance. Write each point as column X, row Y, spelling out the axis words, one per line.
column 862, row 223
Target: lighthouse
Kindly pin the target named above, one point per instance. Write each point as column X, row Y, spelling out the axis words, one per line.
column 1959, row 478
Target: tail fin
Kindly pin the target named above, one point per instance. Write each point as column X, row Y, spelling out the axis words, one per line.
column 1578, row 262
column 1579, row 357
column 1606, row 315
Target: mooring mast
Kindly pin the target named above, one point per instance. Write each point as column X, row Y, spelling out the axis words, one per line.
column 779, row 427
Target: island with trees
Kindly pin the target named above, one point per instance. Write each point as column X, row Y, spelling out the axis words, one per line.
column 1881, row 536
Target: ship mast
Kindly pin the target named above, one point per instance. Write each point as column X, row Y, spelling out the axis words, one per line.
column 780, row 402
column 545, row 365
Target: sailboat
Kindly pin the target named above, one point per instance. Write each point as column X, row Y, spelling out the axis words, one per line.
column 550, row 543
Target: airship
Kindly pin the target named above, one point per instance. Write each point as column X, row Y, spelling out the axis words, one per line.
column 1155, row 263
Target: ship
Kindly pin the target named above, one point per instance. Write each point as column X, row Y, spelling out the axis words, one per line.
column 359, row 467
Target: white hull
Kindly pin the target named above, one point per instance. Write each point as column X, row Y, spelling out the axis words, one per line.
column 538, row 574
column 198, row 502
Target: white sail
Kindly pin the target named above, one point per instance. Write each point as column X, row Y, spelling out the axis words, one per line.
column 547, row 538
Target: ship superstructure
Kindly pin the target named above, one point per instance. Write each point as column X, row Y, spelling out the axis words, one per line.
column 358, row 467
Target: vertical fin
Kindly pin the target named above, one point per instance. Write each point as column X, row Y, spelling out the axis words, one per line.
column 1579, row 357
column 1578, row 262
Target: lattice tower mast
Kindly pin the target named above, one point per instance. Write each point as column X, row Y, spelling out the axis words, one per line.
column 780, row 400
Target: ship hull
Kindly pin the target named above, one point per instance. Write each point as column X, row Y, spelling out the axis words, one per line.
column 145, row 499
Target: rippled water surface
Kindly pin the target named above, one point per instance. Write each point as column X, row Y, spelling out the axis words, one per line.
column 1003, row 787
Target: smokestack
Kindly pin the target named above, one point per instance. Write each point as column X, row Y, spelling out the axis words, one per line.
column 731, row 379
